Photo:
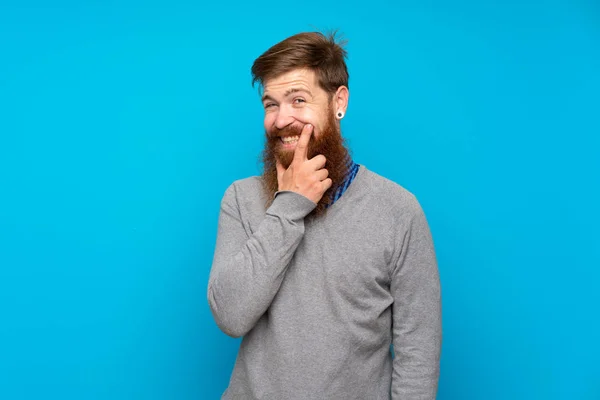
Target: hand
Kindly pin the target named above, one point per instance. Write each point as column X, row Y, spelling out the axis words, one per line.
column 304, row 176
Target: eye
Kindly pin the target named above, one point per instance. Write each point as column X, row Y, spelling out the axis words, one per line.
column 269, row 105
column 299, row 100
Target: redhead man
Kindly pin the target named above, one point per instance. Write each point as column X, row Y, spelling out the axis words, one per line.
column 320, row 263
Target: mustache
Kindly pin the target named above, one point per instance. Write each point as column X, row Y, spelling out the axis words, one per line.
column 290, row 130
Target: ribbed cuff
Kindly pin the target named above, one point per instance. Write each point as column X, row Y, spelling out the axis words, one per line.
column 291, row 205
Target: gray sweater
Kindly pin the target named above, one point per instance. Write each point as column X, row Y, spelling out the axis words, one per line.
column 318, row 301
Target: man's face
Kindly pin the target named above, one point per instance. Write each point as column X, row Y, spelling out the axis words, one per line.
column 291, row 101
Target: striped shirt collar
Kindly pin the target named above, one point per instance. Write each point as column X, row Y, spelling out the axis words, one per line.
column 352, row 169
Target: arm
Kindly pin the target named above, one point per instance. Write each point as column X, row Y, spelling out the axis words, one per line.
column 416, row 313
column 247, row 271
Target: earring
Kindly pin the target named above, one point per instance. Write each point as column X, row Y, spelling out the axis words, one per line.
column 340, row 115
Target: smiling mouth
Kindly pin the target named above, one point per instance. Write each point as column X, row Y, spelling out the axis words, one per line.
column 289, row 140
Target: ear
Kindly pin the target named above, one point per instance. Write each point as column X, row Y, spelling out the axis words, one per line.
column 340, row 101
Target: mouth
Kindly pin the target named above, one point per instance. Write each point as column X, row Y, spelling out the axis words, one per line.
column 289, row 141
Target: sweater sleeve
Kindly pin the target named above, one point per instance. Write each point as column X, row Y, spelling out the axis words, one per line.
column 416, row 313
column 247, row 270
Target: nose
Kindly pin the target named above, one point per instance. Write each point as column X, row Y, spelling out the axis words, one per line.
column 284, row 117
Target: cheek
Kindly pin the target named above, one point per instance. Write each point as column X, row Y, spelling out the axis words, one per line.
column 307, row 116
column 319, row 123
column 268, row 121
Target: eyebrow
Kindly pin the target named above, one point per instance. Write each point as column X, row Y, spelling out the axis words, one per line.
column 287, row 93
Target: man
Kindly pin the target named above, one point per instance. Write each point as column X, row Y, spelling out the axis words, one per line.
column 321, row 264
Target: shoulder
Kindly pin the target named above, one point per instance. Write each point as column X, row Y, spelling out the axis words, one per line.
column 245, row 193
column 245, row 186
column 390, row 195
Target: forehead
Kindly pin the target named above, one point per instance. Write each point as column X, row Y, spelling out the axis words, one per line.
column 301, row 78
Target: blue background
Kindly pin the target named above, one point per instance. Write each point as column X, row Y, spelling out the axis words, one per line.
column 122, row 123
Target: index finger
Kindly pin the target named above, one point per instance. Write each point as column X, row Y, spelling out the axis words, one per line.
column 301, row 150
column 280, row 169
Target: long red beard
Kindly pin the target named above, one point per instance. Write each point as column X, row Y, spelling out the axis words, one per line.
column 329, row 143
